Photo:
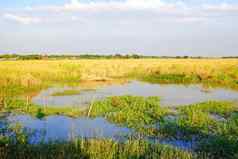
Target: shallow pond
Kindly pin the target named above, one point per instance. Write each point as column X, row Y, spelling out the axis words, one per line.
column 171, row 94
column 62, row 128
column 66, row 128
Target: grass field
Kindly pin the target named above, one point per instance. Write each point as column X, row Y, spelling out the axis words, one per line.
column 213, row 123
column 19, row 76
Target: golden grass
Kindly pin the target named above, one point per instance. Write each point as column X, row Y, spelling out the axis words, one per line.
column 36, row 73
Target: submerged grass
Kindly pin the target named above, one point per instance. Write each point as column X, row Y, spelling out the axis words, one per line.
column 22, row 106
column 197, row 118
column 131, row 111
column 222, row 108
column 67, row 93
column 171, row 78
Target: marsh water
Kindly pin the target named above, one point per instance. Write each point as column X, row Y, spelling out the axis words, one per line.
column 62, row 128
column 65, row 128
column 171, row 94
column 59, row 127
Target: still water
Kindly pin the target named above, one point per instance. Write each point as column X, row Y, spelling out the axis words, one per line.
column 58, row 127
column 171, row 94
column 64, row 128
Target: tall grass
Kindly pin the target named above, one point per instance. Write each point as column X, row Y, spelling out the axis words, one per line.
column 92, row 149
column 27, row 75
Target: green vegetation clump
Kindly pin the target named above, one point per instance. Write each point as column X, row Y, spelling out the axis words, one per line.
column 214, row 137
column 66, row 93
column 223, row 142
column 40, row 114
column 171, row 78
column 222, row 108
column 22, row 106
column 131, row 111
column 198, row 118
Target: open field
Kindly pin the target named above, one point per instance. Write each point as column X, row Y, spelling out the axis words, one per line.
column 210, row 127
column 30, row 75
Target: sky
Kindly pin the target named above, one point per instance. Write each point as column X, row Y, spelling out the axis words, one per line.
column 147, row 27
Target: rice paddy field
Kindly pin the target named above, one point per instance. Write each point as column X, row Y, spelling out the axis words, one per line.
column 119, row 108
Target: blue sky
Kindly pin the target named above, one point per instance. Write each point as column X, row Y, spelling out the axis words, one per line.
column 149, row 27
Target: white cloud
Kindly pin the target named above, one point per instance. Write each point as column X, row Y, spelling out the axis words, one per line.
column 135, row 5
column 127, row 10
column 22, row 19
column 223, row 7
column 76, row 5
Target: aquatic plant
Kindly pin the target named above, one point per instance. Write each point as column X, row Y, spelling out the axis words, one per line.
column 40, row 114
column 69, row 92
column 171, row 78
column 222, row 108
column 131, row 111
column 20, row 105
column 223, row 142
column 215, row 138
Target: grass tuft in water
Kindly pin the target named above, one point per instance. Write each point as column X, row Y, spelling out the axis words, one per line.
column 171, row 78
column 222, row 108
column 40, row 114
column 131, row 111
column 66, row 93
column 22, row 106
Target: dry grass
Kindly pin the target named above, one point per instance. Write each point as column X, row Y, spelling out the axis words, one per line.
column 36, row 73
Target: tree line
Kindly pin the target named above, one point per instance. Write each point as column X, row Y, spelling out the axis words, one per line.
column 95, row 56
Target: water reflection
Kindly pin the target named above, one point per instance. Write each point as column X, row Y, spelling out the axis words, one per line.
column 171, row 94
column 66, row 128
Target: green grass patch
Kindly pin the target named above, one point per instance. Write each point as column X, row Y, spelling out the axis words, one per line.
column 216, row 139
column 131, row 111
column 196, row 119
column 22, row 106
column 67, row 93
column 171, row 78
column 222, row 108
